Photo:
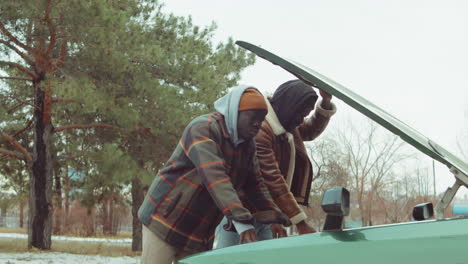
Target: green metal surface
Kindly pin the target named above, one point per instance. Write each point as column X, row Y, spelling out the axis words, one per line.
column 442, row 241
column 364, row 106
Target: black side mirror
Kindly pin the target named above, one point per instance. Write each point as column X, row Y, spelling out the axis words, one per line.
column 335, row 203
column 423, row 211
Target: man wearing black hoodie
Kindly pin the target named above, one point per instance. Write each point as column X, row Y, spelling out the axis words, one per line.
column 283, row 159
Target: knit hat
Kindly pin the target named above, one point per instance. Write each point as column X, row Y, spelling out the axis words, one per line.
column 252, row 100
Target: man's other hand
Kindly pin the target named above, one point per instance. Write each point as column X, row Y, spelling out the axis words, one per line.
column 278, row 231
column 248, row 236
column 304, row 228
column 326, row 97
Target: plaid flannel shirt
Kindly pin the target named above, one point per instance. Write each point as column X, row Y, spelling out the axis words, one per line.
column 200, row 183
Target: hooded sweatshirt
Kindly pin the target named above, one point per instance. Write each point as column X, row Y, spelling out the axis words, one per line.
column 291, row 96
column 228, row 106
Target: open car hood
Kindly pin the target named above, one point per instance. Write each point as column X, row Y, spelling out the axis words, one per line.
column 362, row 105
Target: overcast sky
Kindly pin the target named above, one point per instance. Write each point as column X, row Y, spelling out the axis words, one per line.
column 408, row 56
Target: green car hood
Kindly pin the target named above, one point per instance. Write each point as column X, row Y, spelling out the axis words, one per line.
column 364, row 106
column 408, row 243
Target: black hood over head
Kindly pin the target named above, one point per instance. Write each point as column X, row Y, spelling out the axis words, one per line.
column 289, row 98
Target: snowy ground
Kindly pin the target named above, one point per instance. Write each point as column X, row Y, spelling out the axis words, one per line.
column 114, row 242
column 65, row 258
column 62, row 258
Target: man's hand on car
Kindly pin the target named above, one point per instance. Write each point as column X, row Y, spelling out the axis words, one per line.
column 248, row 236
column 278, row 231
column 304, row 228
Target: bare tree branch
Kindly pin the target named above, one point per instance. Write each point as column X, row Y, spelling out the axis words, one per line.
column 28, row 125
column 13, row 109
column 370, row 148
column 21, row 54
column 15, row 78
column 19, row 67
column 17, row 146
column 21, row 102
column 61, row 59
column 12, row 38
column 370, row 162
column 87, row 126
column 12, row 154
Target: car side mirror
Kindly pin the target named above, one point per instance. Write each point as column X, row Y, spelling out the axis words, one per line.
column 423, row 211
column 335, row 203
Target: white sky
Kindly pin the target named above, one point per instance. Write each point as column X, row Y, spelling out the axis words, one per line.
column 408, row 56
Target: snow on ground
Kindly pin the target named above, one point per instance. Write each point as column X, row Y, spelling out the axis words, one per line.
column 63, row 258
column 116, row 242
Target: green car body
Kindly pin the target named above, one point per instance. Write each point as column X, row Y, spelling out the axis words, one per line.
column 430, row 241
column 441, row 241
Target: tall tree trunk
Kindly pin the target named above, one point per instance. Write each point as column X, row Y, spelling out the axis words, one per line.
column 89, row 223
column 21, row 216
column 112, row 230
column 58, row 199
column 370, row 200
column 3, row 210
column 116, row 213
column 40, row 199
column 105, row 215
column 362, row 211
column 66, row 180
column 137, row 200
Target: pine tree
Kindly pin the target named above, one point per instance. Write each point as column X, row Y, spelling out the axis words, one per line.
column 39, row 40
column 111, row 71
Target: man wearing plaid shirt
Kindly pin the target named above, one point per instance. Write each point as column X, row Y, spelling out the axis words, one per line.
column 213, row 163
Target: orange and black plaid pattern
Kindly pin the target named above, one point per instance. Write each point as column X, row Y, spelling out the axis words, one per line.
column 200, row 183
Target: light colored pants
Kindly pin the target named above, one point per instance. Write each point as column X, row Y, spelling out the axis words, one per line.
column 157, row 251
column 225, row 238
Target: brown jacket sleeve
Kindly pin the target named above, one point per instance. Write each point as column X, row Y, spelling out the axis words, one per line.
column 312, row 127
column 271, row 172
